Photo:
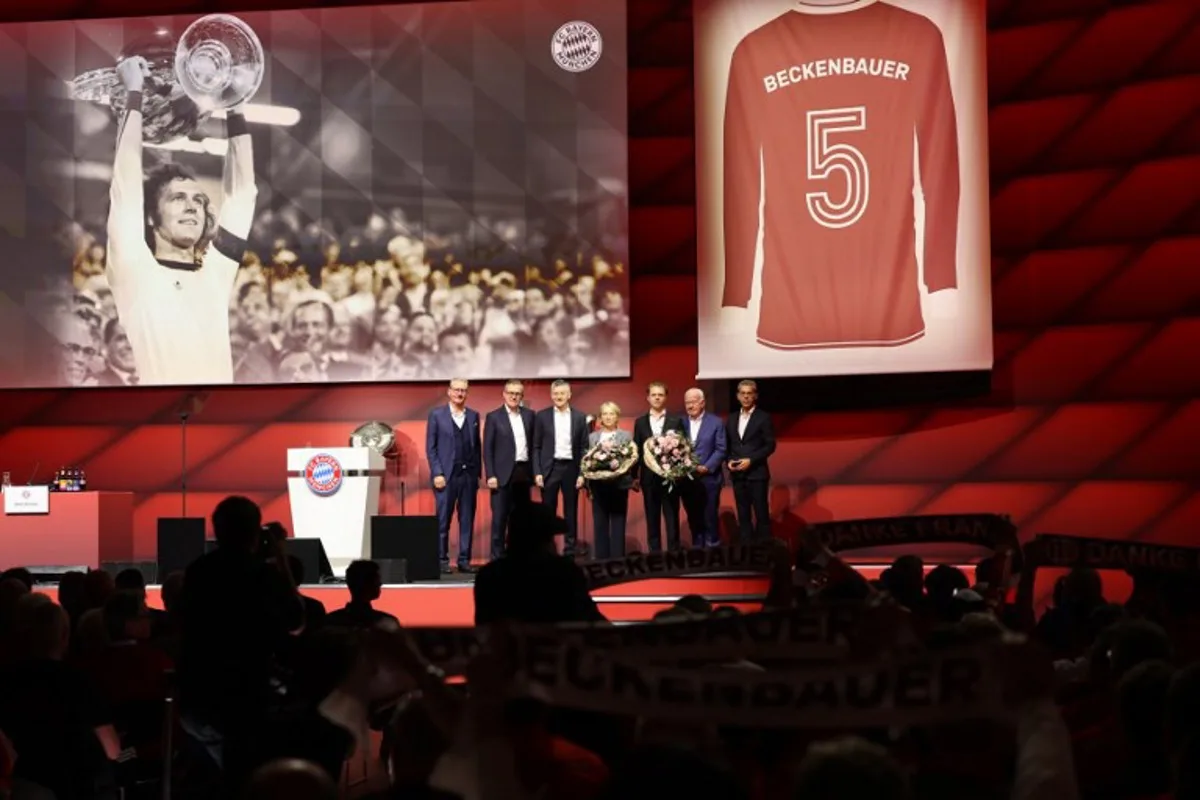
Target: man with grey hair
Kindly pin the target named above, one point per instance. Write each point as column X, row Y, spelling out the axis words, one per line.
column 702, row 496
column 560, row 438
column 452, row 445
column 751, row 439
column 78, row 348
column 507, row 444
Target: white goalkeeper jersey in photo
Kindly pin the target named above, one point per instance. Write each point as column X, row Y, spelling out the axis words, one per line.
column 176, row 315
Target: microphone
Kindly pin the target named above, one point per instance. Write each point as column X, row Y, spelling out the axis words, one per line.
column 33, row 474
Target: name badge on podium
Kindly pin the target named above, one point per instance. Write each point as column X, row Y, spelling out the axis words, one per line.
column 27, row 500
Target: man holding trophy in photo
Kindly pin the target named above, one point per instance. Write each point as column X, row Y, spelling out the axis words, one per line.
column 173, row 257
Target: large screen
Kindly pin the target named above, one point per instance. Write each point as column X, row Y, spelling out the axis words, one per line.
column 842, row 187
column 389, row 193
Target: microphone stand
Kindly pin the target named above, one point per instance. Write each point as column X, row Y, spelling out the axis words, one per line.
column 183, row 418
column 401, row 476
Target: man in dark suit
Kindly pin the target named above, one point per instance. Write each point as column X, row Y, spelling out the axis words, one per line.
column 751, row 439
column 560, row 438
column 507, row 460
column 702, row 495
column 452, row 446
column 661, row 505
column 119, row 366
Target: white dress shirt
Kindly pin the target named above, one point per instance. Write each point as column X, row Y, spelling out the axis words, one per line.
column 562, row 434
column 694, row 426
column 126, row 378
column 459, row 417
column 657, row 421
column 743, row 422
column 518, row 429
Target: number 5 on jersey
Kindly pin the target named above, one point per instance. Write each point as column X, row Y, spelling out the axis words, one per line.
column 828, row 155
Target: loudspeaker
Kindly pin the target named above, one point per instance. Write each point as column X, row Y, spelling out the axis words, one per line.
column 312, row 556
column 414, row 539
column 148, row 569
column 393, row 570
column 180, row 542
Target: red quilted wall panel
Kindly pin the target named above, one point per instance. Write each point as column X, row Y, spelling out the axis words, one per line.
column 1093, row 420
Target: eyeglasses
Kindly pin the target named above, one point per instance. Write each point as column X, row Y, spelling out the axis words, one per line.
column 80, row 349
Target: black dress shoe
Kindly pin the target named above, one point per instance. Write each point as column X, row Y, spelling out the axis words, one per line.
column 466, row 569
column 446, row 569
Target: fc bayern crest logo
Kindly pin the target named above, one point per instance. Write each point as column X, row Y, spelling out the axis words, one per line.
column 577, row 46
column 323, row 474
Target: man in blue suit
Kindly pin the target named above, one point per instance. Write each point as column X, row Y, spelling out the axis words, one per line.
column 452, row 447
column 702, row 495
column 508, row 459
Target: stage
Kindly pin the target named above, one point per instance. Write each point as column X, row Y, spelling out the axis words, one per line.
column 450, row 601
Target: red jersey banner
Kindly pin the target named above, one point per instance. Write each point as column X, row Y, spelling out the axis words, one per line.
column 842, row 187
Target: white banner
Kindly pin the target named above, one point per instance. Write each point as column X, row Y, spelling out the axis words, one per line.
column 811, row 633
column 754, row 558
column 907, row 691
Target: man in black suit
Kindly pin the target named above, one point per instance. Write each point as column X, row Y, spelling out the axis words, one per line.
column 751, row 441
column 560, row 438
column 660, row 503
column 507, row 459
column 119, row 366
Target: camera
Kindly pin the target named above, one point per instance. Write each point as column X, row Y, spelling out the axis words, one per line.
column 271, row 534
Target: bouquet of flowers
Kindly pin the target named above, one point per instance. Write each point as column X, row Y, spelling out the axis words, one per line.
column 608, row 460
column 670, row 456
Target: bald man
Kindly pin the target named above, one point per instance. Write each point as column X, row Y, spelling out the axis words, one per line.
column 702, row 496
column 291, row 779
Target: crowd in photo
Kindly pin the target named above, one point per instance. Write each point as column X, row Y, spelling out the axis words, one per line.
column 1095, row 698
column 387, row 300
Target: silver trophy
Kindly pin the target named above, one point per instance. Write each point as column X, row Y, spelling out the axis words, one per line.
column 217, row 63
column 379, row 436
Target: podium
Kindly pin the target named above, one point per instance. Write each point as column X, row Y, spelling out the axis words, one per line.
column 333, row 493
column 79, row 529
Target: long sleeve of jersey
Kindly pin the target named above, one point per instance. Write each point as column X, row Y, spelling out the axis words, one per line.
column 937, row 143
column 238, row 187
column 743, row 182
column 126, row 210
column 239, row 194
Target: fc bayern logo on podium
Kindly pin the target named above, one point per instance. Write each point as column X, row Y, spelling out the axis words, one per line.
column 323, row 474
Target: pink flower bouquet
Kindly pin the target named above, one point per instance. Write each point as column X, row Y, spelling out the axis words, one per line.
column 608, row 460
column 671, row 457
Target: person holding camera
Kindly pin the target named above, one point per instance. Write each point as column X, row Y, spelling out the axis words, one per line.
column 239, row 606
